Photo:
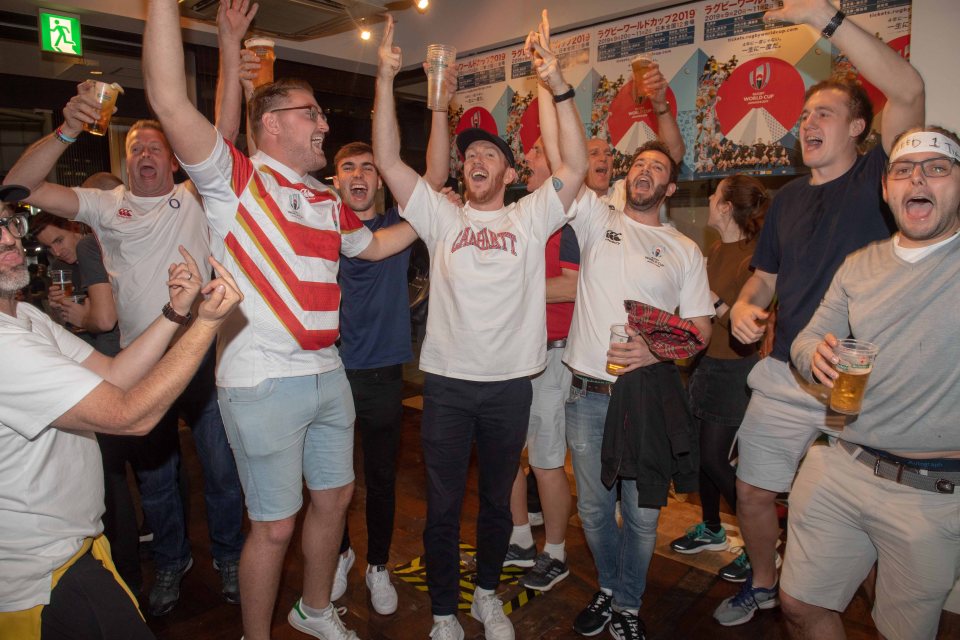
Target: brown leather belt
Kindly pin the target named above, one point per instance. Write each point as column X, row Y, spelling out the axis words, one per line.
column 592, row 386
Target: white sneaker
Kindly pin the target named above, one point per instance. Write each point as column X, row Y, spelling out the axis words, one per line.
column 327, row 626
column 448, row 629
column 344, row 564
column 383, row 595
column 488, row 609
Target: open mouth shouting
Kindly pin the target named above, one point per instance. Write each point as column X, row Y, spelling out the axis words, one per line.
column 812, row 141
column 918, row 206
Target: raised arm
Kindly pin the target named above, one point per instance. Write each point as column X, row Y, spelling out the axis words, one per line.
column 878, row 63
column 438, row 146
column 233, row 20
column 191, row 136
column 655, row 85
column 401, row 179
column 568, row 176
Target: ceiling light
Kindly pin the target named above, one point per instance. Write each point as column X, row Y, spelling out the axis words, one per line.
column 422, row 5
column 96, row 72
column 364, row 34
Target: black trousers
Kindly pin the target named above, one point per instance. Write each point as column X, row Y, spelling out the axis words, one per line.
column 89, row 604
column 378, row 398
column 455, row 413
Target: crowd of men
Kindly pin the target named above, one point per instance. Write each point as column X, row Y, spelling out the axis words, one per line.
column 256, row 254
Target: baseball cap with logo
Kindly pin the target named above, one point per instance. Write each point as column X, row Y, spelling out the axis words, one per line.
column 13, row 193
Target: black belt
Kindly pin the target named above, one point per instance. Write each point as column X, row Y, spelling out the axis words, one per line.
column 591, row 385
column 557, row 344
column 901, row 471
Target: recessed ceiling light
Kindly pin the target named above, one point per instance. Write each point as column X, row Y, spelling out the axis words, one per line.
column 364, row 34
column 422, row 5
column 96, row 72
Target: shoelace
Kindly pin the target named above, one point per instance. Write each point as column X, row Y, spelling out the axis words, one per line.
column 745, row 595
column 696, row 530
column 166, row 579
column 229, row 571
column 632, row 623
column 741, row 560
column 600, row 601
column 543, row 563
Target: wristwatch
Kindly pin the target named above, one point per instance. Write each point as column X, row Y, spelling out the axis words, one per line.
column 171, row 315
column 835, row 22
column 566, row 95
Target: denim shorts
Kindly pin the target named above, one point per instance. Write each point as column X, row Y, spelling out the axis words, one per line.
column 287, row 430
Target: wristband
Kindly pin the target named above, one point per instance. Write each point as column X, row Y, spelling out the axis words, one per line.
column 831, row 27
column 62, row 137
column 173, row 316
column 666, row 108
column 566, row 95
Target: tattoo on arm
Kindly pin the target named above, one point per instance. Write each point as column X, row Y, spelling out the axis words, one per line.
column 557, row 183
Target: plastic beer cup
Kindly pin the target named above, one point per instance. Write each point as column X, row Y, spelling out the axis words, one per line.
column 439, row 57
column 263, row 47
column 640, row 65
column 63, row 278
column 618, row 335
column 855, row 363
column 106, row 95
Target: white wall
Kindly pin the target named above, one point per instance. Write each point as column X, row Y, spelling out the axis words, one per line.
column 935, row 52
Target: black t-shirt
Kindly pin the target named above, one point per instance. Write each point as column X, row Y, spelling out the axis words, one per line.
column 90, row 270
column 808, row 232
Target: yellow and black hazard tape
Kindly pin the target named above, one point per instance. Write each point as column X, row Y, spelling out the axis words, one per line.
column 414, row 573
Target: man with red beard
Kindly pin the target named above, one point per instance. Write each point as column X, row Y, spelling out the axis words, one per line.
column 813, row 223
column 486, row 331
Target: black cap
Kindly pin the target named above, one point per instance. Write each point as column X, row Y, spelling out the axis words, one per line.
column 13, row 193
column 468, row 136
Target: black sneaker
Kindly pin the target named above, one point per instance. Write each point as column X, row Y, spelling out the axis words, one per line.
column 229, row 579
column 595, row 616
column 518, row 556
column 547, row 572
column 166, row 590
column 738, row 570
column 627, row 626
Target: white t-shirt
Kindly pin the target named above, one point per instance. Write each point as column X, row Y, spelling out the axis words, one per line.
column 281, row 236
column 140, row 239
column 621, row 259
column 487, row 317
column 51, row 481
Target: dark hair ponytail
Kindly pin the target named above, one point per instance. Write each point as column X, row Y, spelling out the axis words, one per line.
column 749, row 200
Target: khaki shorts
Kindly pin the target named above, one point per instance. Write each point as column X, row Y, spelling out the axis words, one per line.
column 843, row 519
column 785, row 415
column 546, row 433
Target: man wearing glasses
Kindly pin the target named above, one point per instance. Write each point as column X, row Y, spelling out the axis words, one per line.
column 285, row 397
column 887, row 492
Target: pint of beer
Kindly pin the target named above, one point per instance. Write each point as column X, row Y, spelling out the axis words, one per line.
column 106, row 95
column 640, row 65
column 855, row 364
column 263, row 47
column 618, row 335
column 63, row 278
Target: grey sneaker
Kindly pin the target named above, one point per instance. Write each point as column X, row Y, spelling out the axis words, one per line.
column 518, row 556
column 166, row 590
column 229, row 579
column 326, row 626
column 547, row 572
column 488, row 609
column 741, row 607
column 627, row 626
column 699, row 538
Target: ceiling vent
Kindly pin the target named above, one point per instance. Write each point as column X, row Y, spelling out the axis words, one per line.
column 298, row 19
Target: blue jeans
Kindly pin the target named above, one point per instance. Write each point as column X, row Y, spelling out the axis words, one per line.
column 158, row 467
column 621, row 555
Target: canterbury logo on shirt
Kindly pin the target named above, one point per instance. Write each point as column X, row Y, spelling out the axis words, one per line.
column 485, row 240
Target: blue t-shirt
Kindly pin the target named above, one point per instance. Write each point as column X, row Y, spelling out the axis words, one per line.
column 808, row 232
column 374, row 306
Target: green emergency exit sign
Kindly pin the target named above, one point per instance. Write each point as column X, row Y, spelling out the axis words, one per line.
column 60, row 33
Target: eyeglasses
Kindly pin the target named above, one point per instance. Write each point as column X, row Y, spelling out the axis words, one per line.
column 314, row 113
column 931, row 168
column 16, row 225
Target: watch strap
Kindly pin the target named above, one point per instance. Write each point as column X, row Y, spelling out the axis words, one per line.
column 566, row 95
column 173, row 316
column 832, row 26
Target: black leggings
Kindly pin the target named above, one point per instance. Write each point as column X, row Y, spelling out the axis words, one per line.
column 717, row 477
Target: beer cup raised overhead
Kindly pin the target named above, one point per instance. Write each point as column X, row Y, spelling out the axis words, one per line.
column 855, row 363
column 106, row 94
column 263, row 47
column 640, row 65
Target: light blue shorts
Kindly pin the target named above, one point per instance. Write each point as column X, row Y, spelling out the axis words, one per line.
column 287, row 430
column 546, row 433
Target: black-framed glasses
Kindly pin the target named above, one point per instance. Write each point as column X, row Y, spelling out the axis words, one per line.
column 314, row 113
column 17, row 225
column 931, row 168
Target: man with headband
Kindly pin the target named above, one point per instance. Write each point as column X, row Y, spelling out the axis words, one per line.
column 886, row 491
column 813, row 223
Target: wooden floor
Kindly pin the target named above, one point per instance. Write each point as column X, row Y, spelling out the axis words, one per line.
column 678, row 602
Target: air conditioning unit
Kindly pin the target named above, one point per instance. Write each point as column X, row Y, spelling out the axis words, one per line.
column 298, row 19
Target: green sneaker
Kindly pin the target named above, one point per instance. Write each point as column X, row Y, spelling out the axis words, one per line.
column 741, row 608
column 699, row 538
column 738, row 570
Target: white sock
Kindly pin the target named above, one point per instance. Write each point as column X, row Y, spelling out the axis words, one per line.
column 522, row 536
column 437, row 619
column 314, row 613
column 480, row 591
column 556, row 551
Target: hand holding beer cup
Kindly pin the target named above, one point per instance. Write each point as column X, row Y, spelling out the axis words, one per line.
column 441, row 70
column 628, row 351
column 249, row 71
column 82, row 110
column 844, row 366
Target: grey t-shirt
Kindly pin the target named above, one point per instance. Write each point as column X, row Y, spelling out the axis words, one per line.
column 912, row 402
column 91, row 271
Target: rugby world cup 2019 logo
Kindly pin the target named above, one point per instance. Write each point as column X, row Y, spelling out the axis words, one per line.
column 760, row 76
column 654, row 257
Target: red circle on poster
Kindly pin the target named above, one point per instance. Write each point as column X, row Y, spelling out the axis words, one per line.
column 477, row 117
column 631, row 124
column 530, row 126
column 760, row 101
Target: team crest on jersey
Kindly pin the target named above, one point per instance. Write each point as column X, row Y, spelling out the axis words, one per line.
column 655, row 255
column 295, row 205
column 124, row 213
column 613, row 237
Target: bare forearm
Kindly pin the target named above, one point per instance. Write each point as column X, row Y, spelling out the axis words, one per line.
column 438, row 151
column 670, row 133
column 756, row 291
column 562, row 288
column 229, row 100
column 573, row 141
column 131, row 364
column 163, row 66
column 548, row 125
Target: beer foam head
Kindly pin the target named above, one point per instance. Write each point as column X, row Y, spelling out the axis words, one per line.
column 259, row 42
column 925, row 142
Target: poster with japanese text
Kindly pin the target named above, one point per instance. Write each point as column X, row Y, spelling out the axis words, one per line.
column 736, row 83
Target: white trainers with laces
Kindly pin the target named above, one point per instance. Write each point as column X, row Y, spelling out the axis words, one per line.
column 326, row 626
column 383, row 595
column 344, row 564
column 488, row 609
column 447, row 629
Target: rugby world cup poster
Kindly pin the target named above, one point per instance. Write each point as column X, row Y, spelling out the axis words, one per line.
column 736, row 83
